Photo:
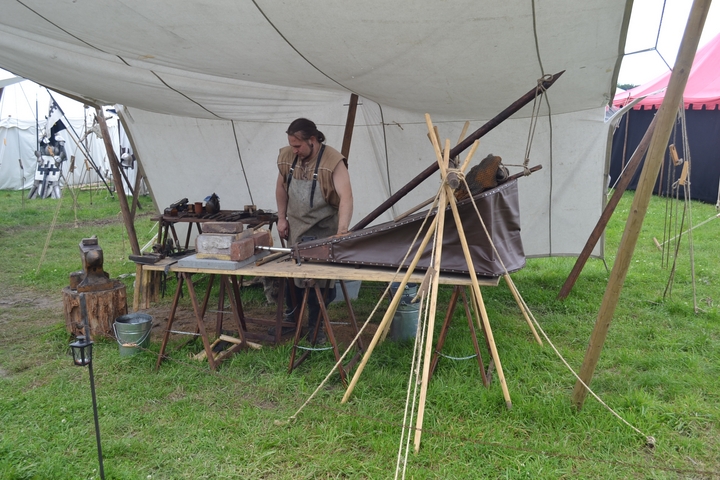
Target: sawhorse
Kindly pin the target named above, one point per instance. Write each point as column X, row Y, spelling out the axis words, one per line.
column 228, row 283
column 485, row 374
column 312, row 284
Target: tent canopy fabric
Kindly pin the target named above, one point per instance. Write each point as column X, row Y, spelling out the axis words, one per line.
column 207, row 90
column 701, row 92
column 198, row 59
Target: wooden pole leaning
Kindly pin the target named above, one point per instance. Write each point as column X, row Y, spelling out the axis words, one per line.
column 434, row 284
column 119, row 189
column 481, row 303
column 390, row 311
column 656, row 151
column 458, row 149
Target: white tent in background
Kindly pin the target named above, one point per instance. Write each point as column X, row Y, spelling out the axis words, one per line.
column 207, row 91
column 18, row 137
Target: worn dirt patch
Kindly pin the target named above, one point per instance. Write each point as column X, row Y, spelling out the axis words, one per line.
column 14, row 297
column 257, row 321
column 259, row 318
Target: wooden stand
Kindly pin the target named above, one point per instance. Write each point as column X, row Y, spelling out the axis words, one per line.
column 147, row 286
column 446, row 198
column 103, row 307
column 230, row 284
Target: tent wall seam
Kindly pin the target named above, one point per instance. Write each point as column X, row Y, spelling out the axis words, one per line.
column 295, row 49
column 62, row 29
column 186, row 97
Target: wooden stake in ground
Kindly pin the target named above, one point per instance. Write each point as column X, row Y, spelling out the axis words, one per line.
column 656, row 151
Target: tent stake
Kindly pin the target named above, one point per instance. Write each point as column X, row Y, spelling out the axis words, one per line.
column 666, row 117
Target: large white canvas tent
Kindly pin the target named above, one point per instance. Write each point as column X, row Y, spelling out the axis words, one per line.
column 207, row 90
column 24, row 106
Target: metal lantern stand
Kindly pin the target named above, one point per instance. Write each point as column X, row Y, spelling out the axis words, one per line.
column 82, row 356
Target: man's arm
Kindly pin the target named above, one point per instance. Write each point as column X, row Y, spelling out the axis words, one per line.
column 341, row 179
column 281, row 198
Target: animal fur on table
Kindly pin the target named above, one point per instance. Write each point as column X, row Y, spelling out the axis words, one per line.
column 487, row 174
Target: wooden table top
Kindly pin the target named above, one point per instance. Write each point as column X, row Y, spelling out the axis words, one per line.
column 287, row 268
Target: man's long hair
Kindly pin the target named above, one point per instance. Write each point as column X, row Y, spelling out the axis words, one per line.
column 303, row 129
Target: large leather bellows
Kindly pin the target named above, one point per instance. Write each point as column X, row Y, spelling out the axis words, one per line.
column 386, row 244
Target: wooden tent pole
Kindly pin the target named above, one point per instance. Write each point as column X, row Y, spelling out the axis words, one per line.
column 136, row 193
column 434, row 284
column 658, row 144
column 597, row 232
column 117, row 180
column 349, row 125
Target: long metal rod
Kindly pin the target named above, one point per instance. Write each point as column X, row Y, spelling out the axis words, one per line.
column 458, row 149
column 97, row 423
column 274, row 249
column 86, row 325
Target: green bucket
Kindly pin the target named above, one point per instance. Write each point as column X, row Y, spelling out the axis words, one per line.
column 405, row 321
column 132, row 332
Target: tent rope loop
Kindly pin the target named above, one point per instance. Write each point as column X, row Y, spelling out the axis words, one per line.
column 537, row 102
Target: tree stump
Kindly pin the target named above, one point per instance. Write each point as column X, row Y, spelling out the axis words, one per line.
column 103, row 307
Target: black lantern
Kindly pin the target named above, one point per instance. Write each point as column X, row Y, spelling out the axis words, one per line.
column 82, row 351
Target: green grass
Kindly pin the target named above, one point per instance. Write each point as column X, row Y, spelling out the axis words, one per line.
column 659, row 370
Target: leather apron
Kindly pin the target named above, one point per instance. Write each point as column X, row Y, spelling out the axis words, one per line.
column 316, row 219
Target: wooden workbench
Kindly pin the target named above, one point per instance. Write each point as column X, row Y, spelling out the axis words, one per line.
column 284, row 268
column 287, row 268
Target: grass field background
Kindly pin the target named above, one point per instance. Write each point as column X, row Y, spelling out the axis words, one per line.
column 659, row 370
